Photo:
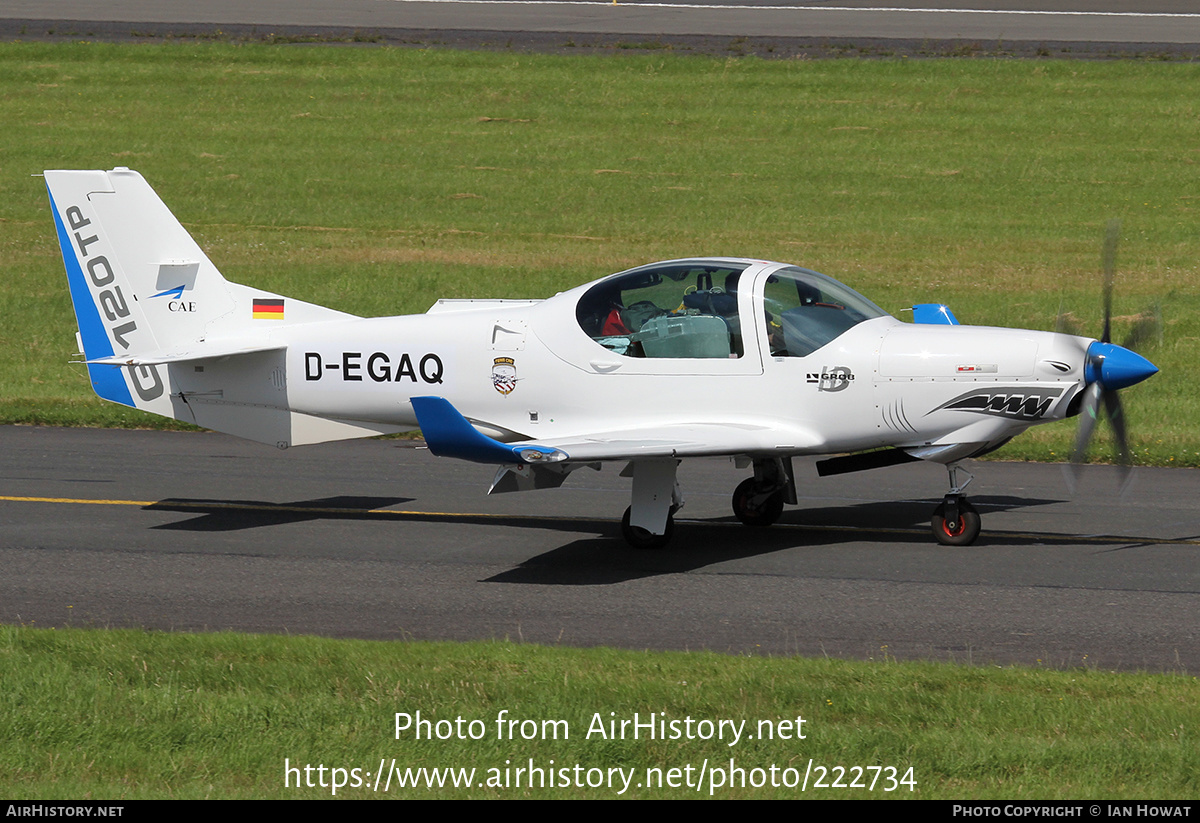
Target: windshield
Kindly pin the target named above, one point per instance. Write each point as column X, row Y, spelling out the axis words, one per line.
column 806, row 310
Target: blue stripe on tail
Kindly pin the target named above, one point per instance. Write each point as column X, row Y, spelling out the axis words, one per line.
column 107, row 381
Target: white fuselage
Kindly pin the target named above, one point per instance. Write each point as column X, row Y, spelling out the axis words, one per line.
column 523, row 370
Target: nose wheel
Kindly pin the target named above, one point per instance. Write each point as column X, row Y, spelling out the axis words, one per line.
column 955, row 520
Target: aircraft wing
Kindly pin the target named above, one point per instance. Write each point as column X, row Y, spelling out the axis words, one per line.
column 450, row 434
column 684, row 440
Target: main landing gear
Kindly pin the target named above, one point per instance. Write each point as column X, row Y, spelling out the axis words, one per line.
column 758, row 500
column 640, row 538
column 955, row 520
column 649, row 521
column 757, row 506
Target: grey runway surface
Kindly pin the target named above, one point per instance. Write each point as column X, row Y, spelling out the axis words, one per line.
column 1110, row 23
column 379, row 539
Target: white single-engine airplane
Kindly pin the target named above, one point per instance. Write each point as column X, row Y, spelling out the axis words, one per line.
column 686, row 358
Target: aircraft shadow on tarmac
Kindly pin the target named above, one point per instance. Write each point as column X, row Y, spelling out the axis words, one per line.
column 235, row 515
column 876, row 521
column 605, row 559
column 701, row 543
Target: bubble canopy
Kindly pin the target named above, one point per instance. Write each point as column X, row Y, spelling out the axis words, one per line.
column 692, row 309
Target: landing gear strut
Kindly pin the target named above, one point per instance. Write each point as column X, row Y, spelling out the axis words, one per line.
column 955, row 520
column 649, row 521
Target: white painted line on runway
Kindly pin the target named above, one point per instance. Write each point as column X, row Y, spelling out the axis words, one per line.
column 878, row 9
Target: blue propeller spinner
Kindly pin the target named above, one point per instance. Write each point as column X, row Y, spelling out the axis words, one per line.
column 1116, row 367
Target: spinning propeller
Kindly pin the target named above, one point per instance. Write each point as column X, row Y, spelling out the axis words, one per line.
column 1108, row 368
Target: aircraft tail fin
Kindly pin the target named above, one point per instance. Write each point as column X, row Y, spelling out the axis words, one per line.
column 160, row 328
column 144, row 292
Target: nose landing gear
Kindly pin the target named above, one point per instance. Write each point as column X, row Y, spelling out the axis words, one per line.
column 955, row 521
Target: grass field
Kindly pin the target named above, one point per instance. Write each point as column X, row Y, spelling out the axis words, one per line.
column 376, row 180
column 126, row 715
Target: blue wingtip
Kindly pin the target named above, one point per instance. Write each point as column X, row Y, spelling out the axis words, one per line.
column 936, row 314
column 449, row 434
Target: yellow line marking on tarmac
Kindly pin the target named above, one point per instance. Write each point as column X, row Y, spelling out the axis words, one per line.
column 199, row 505
column 78, row 500
column 170, row 504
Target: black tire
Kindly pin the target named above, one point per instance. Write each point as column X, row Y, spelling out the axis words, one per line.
column 640, row 538
column 764, row 514
column 968, row 525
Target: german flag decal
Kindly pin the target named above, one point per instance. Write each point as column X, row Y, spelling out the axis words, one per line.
column 268, row 309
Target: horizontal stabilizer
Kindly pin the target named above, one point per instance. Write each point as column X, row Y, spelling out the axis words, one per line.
column 198, row 351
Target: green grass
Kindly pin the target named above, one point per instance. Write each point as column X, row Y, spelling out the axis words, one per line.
column 378, row 180
column 125, row 714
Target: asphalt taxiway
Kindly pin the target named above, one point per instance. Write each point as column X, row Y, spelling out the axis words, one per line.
column 379, row 539
column 765, row 27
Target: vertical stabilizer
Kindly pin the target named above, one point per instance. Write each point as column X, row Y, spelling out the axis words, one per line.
column 105, row 297
column 163, row 331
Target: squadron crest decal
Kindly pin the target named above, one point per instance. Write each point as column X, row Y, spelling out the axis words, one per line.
column 504, row 374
